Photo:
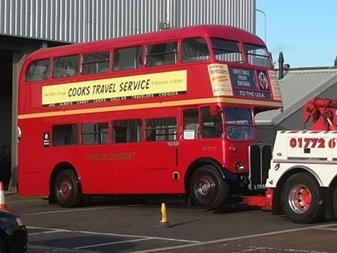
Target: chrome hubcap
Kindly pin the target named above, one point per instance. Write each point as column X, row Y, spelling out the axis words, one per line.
column 300, row 199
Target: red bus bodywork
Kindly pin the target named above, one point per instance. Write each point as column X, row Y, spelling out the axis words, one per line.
column 141, row 167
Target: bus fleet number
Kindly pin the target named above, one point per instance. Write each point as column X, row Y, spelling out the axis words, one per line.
column 311, row 143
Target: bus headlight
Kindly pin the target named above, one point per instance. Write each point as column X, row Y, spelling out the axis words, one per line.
column 239, row 167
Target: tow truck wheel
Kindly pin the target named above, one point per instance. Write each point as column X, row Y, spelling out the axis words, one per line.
column 334, row 201
column 301, row 199
column 67, row 189
column 207, row 188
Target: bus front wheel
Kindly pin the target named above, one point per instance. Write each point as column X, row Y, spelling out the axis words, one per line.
column 67, row 189
column 207, row 188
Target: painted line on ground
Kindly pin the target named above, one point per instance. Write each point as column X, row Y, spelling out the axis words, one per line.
column 56, row 230
column 70, row 210
column 110, row 243
column 329, row 229
column 237, row 238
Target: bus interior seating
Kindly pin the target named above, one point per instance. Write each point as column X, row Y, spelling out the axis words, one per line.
column 194, row 50
column 261, row 61
column 38, row 72
column 210, row 132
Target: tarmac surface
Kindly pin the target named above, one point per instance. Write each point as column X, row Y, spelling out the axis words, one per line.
column 134, row 227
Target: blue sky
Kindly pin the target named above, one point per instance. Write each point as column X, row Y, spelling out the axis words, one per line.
column 304, row 30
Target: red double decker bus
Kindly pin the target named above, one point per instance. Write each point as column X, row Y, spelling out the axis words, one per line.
column 170, row 112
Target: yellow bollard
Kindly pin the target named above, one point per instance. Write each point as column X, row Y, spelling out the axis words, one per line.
column 164, row 218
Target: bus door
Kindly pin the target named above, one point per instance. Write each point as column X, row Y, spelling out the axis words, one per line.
column 202, row 134
column 160, row 154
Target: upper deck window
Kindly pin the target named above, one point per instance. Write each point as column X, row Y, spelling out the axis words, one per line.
column 194, row 50
column 161, row 54
column 127, row 58
column 225, row 50
column 66, row 66
column 95, row 63
column 257, row 55
column 38, row 70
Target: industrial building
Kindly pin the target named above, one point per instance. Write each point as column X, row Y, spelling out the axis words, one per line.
column 27, row 25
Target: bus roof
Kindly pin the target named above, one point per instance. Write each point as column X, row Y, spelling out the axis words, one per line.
column 219, row 31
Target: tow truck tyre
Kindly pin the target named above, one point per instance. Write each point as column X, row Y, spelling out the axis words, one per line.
column 334, row 201
column 3, row 248
column 207, row 188
column 67, row 189
column 301, row 199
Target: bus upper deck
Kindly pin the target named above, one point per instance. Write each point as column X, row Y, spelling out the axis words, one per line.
column 194, row 65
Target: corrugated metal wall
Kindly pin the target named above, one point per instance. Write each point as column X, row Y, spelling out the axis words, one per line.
column 87, row 20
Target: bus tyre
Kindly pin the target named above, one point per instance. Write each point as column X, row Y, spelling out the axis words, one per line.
column 302, row 199
column 334, row 201
column 67, row 189
column 207, row 188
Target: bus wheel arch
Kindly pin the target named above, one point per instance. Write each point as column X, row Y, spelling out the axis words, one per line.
column 65, row 186
column 205, row 184
column 301, row 197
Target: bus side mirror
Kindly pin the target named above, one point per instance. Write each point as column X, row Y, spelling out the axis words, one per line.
column 19, row 134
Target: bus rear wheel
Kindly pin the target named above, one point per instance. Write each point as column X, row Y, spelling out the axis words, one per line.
column 302, row 199
column 67, row 189
column 207, row 188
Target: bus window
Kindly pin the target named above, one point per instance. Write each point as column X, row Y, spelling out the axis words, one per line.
column 95, row 63
column 63, row 135
column 225, row 50
column 239, row 123
column 38, row 70
column 161, row 129
column 161, row 54
column 257, row 55
column 94, row 133
column 211, row 124
column 191, row 124
column 194, row 50
column 65, row 66
column 126, row 130
column 127, row 58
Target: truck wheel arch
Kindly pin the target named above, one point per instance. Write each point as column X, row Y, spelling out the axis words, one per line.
column 298, row 169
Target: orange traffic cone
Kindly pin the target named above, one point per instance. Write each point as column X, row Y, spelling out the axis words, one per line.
column 164, row 218
column 2, row 197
